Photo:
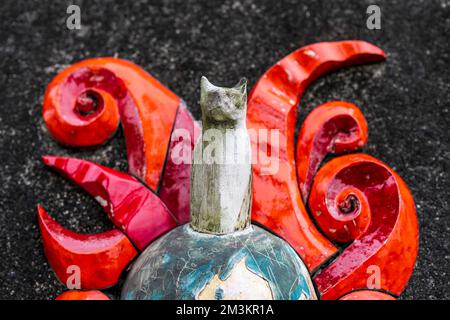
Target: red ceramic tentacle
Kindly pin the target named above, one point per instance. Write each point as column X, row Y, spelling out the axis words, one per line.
column 333, row 127
column 367, row 295
column 175, row 185
column 83, row 102
column 132, row 207
column 360, row 199
column 82, row 295
column 99, row 258
column 272, row 104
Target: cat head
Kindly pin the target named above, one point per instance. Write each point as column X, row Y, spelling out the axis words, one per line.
column 221, row 104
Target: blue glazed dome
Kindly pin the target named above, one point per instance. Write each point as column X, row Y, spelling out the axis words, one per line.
column 220, row 255
column 250, row 264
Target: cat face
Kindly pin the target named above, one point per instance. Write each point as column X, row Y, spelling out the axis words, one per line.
column 223, row 104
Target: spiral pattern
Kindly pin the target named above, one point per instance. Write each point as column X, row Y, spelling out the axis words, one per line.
column 333, row 127
column 82, row 105
column 360, row 200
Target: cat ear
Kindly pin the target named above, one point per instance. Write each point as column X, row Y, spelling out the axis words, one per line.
column 205, row 86
column 241, row 85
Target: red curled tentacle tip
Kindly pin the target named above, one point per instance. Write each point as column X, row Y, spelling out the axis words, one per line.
column 359, row 199
column 49, row 160
column 371, row 48
column 82, row 295
column 92, row 261
column 333, row 127
column 132, row 207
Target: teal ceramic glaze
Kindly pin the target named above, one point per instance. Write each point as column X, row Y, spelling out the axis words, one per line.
column 183, row 262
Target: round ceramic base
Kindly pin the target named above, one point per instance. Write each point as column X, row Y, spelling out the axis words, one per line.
column 251, row 264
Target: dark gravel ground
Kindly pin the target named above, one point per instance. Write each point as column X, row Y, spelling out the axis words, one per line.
column 405, row 101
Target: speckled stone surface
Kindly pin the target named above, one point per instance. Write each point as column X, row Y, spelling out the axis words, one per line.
column 405, row 101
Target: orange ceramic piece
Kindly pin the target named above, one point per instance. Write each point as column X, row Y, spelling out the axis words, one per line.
column 333, row 127
column 367, row 295
column 83, row 102
column 100, row 258
column 272, row 104
column 82, row 295
column 360, row 199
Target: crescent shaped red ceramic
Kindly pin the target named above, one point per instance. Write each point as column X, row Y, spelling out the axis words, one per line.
column 360, row 199
column 333, row 127
column 82, row 105
column 101, row 257
column 367, row 295
column 272, row 104
column 82, row 295
column 132, row 207
column 175, row 185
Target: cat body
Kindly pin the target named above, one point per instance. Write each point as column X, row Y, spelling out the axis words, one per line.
column 221, row 170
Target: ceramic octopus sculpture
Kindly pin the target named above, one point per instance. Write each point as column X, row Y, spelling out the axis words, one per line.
column 336, row 226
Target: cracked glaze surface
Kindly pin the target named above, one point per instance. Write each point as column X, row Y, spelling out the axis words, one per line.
column 182, row 263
